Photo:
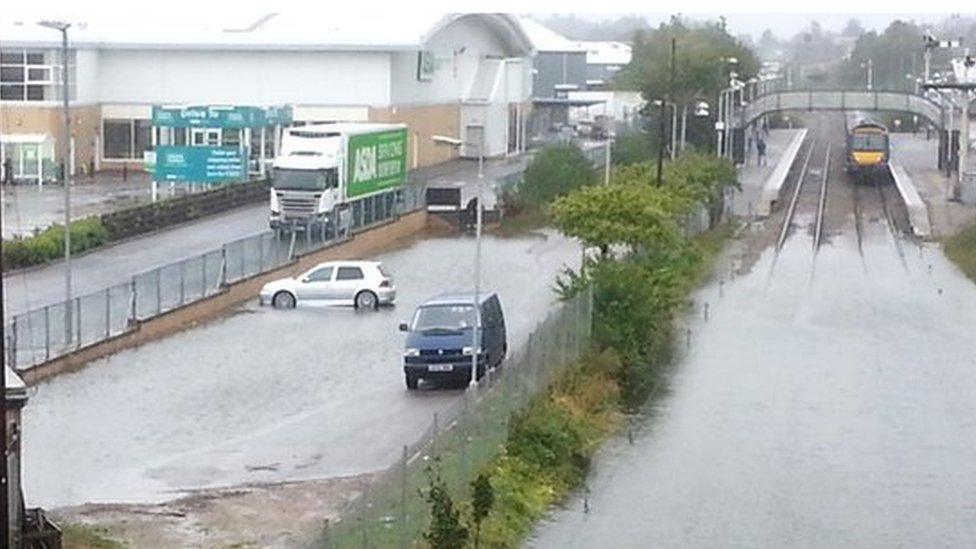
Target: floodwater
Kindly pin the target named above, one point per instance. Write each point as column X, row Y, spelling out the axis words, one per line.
column 264, row 395
column 828, row 401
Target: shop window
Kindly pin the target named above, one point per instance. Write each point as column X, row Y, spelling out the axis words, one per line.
column 142, row 136
column 117, row 138
column 10, row 92
column 35, row 58
column 12, row 57
column 35, row 93
column 12, row 74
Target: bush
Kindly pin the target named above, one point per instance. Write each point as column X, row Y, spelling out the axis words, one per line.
column 554, row 172
column 48, row 245
column 633, row 148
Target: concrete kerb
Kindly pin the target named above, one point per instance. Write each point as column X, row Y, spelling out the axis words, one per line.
column 918, row 212
column 775, row 181
column 362, row 244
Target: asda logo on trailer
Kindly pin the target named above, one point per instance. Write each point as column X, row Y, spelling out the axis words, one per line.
column 377, row 162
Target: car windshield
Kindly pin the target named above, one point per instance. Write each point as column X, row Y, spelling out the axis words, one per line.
column 444, row 317
column 303, row 180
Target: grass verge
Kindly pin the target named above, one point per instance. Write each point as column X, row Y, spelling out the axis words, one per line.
column 961, row 249
column 84, row 536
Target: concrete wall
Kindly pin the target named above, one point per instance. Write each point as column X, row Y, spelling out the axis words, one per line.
column 362, row 245
column 244, row 77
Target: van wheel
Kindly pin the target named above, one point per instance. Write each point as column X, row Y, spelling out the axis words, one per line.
column 283, row 300
column 366, row 300
column 412, row 381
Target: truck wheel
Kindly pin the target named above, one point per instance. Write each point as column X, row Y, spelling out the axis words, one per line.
column 412, row 381
column 366, row 300
column 283, row 300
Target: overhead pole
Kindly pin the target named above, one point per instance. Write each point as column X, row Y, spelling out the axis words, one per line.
column 63, row 27
column 663, row 115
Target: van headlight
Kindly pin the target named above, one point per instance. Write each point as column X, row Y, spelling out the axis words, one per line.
column 468, row 351
column 411, row 351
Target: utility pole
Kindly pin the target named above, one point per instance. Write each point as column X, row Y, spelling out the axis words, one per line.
column 63, row 27
column 663, row 114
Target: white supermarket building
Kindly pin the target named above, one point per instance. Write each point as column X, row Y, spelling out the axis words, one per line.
column 456, row 76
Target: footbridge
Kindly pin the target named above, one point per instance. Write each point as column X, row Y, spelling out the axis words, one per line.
column 840, row 100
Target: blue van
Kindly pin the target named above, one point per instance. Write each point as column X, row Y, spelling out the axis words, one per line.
column 439, row 346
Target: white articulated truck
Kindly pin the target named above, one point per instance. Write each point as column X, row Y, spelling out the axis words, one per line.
column 323, row 168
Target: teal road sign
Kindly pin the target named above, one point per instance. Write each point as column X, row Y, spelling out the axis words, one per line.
column 219, row 116
column 200, row 164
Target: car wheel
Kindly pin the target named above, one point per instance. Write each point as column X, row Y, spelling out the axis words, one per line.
column 366, row 300
column 412, row 381
column 283, row 300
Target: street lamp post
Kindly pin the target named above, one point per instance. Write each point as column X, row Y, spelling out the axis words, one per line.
column 62, row 27
column 476, row 330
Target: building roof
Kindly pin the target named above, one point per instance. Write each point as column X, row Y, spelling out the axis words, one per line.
column 270, row 31
column 545, row 39
column 607, row 53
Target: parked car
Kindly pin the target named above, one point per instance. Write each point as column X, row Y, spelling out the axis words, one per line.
column 439, row 339
column 362, row 284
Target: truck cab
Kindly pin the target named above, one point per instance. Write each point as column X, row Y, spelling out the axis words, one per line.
column 305, row 178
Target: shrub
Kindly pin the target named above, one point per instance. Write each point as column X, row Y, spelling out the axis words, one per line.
column 48, row 245
column 633, row 148
column 554, row 172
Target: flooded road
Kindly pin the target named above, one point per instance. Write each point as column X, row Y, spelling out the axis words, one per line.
column 264, row 395
column 817, row 407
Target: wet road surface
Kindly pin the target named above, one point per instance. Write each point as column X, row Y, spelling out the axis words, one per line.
column 265, row 395
column 817, row 407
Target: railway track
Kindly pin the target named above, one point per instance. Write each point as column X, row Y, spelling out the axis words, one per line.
column 806, row 198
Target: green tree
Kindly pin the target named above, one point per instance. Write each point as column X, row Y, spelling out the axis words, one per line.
column 894, row 54
column 445, row 530
column 482, row 500
column 702, row 51
column 554, row 172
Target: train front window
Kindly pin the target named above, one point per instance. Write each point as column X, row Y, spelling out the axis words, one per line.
column 869, row 142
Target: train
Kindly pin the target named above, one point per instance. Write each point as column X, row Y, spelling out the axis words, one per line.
column 868, row 148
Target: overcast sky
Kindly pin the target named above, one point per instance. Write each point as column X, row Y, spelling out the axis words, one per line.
column 744, row 16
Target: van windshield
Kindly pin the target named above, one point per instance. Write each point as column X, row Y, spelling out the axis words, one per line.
column 444, row 317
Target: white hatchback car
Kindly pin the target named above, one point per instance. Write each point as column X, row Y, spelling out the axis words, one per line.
column 362, row 284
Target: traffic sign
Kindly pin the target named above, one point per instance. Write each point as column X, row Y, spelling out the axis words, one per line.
column 200, row 164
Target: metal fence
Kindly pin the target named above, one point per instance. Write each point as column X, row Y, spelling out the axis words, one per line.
column 43, row 334
column 391, row 511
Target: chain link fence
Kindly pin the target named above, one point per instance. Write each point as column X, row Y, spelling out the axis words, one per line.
column 391, row 511
column 44, row 334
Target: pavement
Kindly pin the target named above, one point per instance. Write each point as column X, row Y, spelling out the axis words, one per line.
column 919, row 158
column 116, row 264
column 754, row 177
